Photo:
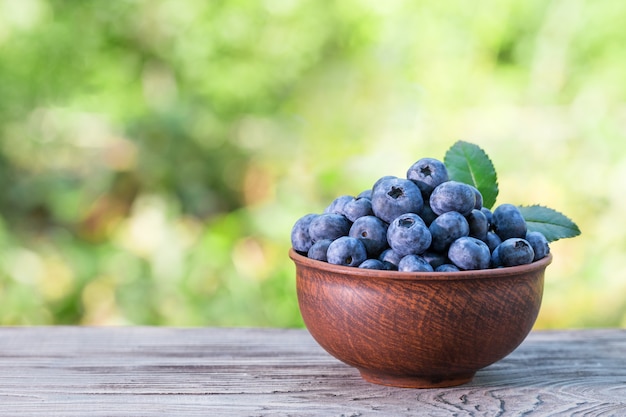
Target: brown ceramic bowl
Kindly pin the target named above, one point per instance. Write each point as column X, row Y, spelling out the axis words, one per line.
column 419, row 330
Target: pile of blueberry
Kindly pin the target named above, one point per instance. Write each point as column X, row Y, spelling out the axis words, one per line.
column 422, row 223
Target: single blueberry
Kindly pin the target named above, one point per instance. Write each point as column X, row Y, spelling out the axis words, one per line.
column 447, row 228
column 452, row 196
column 514, row 251
column 495, row 258
column 357, row 207
column 372, row 232
column 329, row 226
column 478, row 224
column 435, row 258
column 427, row 214
column 408, row 234
column 414, row 263
column 539, row 243
column 447, row 268
column 319, row 249
column 365, row 194
column 395, row 196
column 479, row 198
column 493, row 240
column 373, row 264
column 337, row 205
column 488, row 214
column 346, row 251
column 427, row 173
column 391, row 257
column 508, row 222
column 469, row 253
column 380, row 181
column 301, row 240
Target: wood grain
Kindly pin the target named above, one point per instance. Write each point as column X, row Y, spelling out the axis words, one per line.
column 144, row 371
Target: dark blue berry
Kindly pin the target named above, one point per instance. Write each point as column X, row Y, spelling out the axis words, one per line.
column 447, row 228
column 408, row 234
column 508, row 222
column 427, row 214
column 469, row 253
column 372, row 232
column 414, row 263
column 346, row 251
column 513, row 251
column 539, row 243
column 329, row 226
column 395, row 196
column 479, row 198
column 390, row 256
column 452, row 196
column 478, row 224
column 435, row 258
column 319, row 249
column 337, row 205
column 365, row 194
column 488, row 214
column 427, row 173
column 493, row 240
column 373, row 264
column 357, row 207
column 447, row 268
column 300, row 238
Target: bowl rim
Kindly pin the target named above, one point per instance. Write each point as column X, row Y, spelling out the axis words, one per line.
column 492, row 273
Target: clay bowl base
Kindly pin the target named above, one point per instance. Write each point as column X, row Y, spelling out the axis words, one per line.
column 416, row 381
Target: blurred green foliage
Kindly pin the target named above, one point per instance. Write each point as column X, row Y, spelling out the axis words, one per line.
column 154, row 154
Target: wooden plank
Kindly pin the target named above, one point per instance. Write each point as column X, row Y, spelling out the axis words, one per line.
column 150, row 371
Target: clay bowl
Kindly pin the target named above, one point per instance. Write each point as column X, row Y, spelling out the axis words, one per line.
column 418, row 330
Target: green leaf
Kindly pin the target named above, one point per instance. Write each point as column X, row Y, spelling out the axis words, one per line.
column 469, row 164
column 551, row 223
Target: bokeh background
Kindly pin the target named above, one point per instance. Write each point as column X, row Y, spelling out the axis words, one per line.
column 154, row 154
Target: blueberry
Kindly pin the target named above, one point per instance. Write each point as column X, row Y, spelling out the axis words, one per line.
column 391, row 257
column 513, row 251
column 373, row 264
column 319, row 249
column 300, row 238
column 329, row 226
column 435, row 258
column 414, row 263
column 488, row 214
column 479, row 198
column 478, row 224
column 495, row 258
column 452, row 196
column 508, row 222
column 447, row 228
column 427, row 214
column 380, row 181
column 337, row 205
column 365, row 194
column 357, row 207
column 408, row 234
column 469, row 253
column 395, row 196
column 372, row 232
column 539, row 243
column 447, row 268
column 492, row 240
column 346, row 251
column 427, row 173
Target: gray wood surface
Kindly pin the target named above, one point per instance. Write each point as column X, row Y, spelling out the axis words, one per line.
column 150, row 371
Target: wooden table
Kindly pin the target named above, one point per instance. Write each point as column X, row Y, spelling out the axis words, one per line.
column 152, row 371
